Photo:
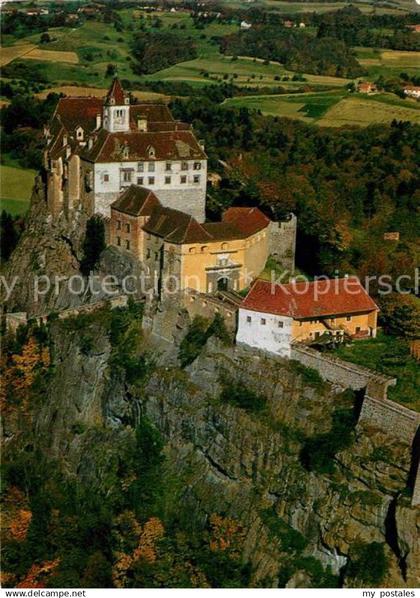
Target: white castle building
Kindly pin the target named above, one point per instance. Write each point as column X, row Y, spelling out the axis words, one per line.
column 98, row 147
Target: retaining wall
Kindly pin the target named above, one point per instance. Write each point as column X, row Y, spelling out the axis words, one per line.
column 348, row 375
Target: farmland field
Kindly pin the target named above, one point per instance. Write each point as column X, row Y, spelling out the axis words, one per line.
column 332, row 108
column 388, row 62
column 15, row 188
column 52, row 55
column 361, row 111
column 12, row 52
column 75, row 90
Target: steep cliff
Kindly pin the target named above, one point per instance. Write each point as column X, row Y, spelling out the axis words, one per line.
column 301, row 522
column 43, row 273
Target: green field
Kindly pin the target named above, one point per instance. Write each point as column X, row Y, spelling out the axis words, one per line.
column 325, row 99
column 390, row 356
column 333, row 109
column 388, row 63
column 15, row 188
column 286, row 7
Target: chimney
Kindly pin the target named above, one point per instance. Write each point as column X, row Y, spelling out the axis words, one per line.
column 142, row 123
column 201, row 144
column 68, row 151
column 98, row 121
column 90, row 143
column 64, row 140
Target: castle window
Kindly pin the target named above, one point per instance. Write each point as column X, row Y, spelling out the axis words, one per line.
column 263, row 321
column 167, row 180
column 168, row 166
column 119, row 241
column 140, row 167
column 249, row 319
column 197, row 165
column 106, row 178
column 127, row 176
column 140, row 180
column 348, row 318
column 183, row 179
column 224, row 245
column 128, row 227
column 148, row 254
column 151, row 167
column 204, row 248
column 184, row 165
column 151, row 180
column 156, row 256
column 192, row 250
column 196, row 178
column 118, row 224
column 127, row 244
column 280, row 324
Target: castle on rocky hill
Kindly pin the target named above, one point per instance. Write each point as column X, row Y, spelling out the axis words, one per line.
column 146, row 175
column 96, row 148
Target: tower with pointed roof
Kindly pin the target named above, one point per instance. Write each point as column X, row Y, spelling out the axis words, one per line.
column 96, row 148
column 116, row 111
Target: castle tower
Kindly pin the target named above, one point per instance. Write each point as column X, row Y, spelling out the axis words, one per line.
column 116, row 113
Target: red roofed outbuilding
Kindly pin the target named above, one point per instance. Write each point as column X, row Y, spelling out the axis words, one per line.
column 273, row 316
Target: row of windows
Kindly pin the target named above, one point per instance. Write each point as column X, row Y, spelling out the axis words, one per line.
column 263, row 322
column 223, row 246
column 127, row 243
column 151, row 166
column 127, row 226
column 127, row 177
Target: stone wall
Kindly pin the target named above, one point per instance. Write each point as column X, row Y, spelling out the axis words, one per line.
column 207, row 306
column 190, row 201
column 391, row 417
column 282, row 242
column 341, row 372
column 377, row 410
column 416, row 492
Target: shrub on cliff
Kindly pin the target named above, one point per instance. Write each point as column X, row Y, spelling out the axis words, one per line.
column 240, row 395
column 93, row 244
column 198, row 333
column 318, row 452
column 368, row 563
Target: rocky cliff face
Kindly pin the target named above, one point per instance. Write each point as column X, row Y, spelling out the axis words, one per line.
column 232, row 460
column 49, row 255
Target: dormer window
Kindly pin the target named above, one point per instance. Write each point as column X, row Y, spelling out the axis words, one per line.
column 126, row 151
column 151, row 152
column 79, row 133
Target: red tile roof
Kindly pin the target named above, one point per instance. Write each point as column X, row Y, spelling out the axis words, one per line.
column 176, row 227
column 136, row 145
column 115, row 93
column 78, row 111
column 301, row 300
column 136, row 201
column 248, row 220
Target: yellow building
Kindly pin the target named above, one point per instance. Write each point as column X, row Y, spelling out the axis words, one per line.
column 181, row 253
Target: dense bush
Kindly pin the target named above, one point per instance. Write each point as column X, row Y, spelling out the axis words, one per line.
column 368, row 563
column 296, row 49
column 318, row 452
column 155, row 51
column 240, row 395
column 199, row 331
